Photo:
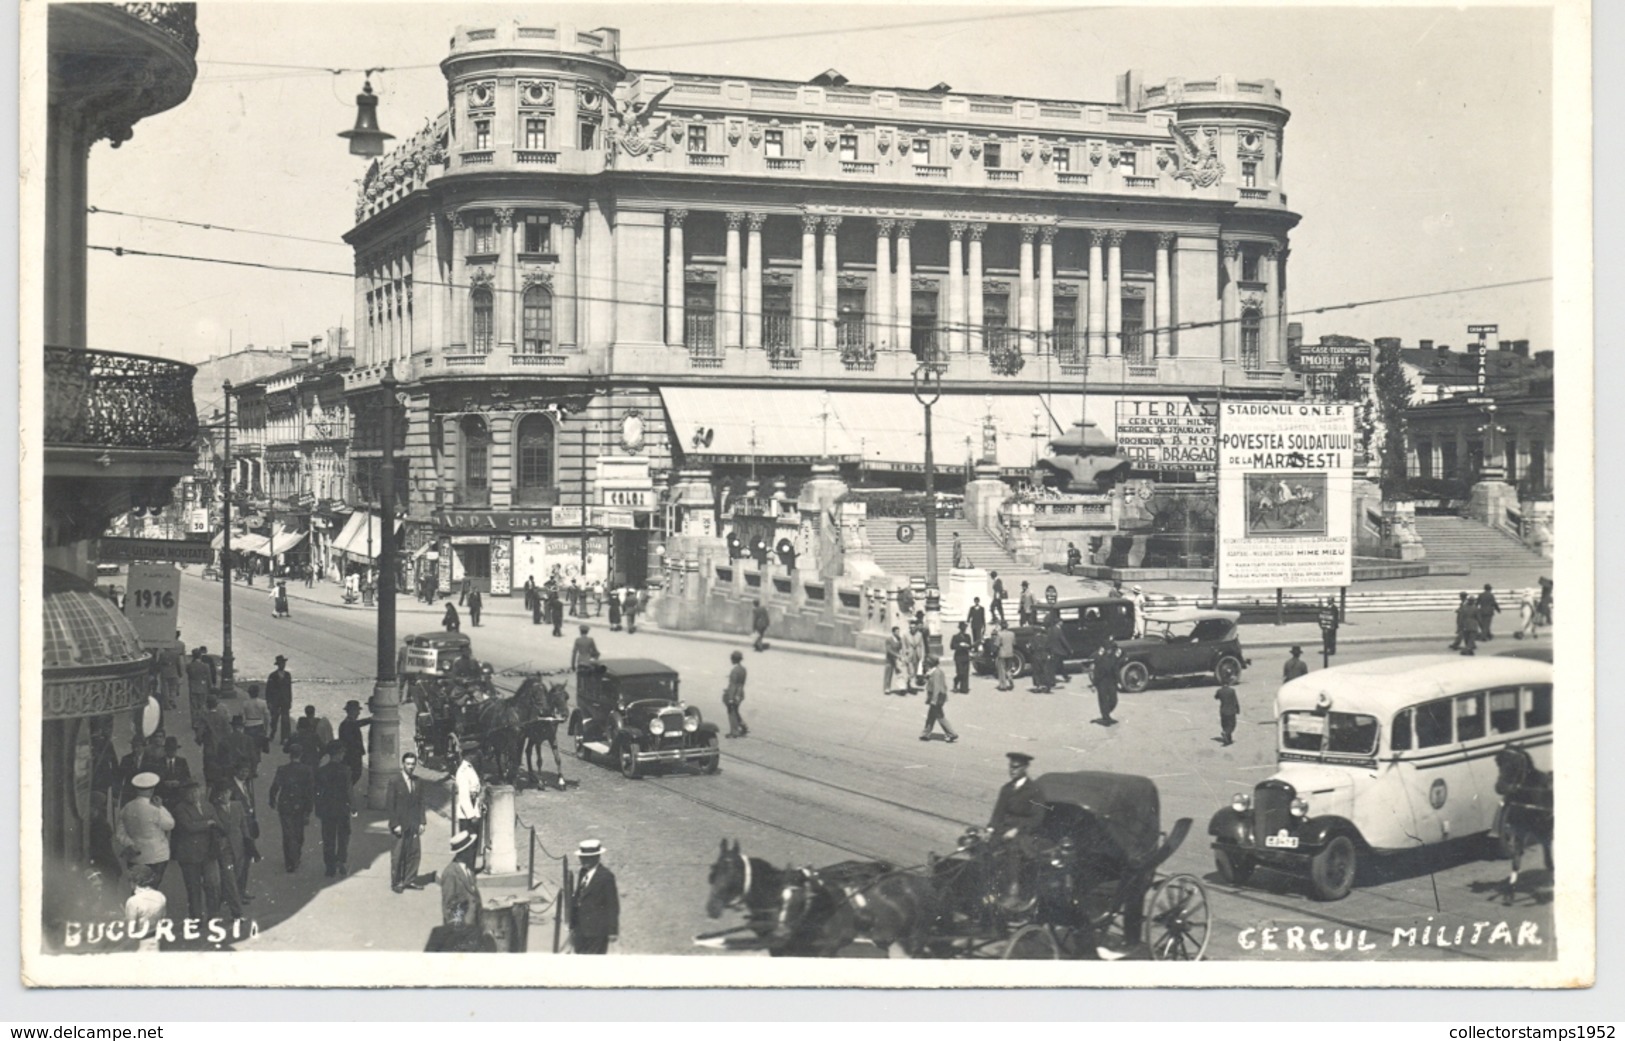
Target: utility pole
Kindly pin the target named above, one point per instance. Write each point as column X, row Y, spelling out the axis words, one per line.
column 227, row 672
column 386, row 702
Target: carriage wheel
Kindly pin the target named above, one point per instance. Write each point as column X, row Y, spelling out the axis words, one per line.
column 1032, row 943
column 1177, row 920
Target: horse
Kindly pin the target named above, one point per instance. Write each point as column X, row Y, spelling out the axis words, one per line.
column 795, row 912
column 1525, row 816
column 545, row 705
column 500, row 721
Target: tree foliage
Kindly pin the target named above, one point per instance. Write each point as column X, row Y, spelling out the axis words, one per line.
column 1393, row 393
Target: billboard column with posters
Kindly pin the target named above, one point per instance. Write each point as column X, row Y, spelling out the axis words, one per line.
column 1286, row 488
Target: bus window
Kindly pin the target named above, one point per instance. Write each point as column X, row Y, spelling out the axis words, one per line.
column 1537, row 703
column 1504, row 710
column 1433, row 723
column 1469, row 717
column 1349, row 734
column 1302, row 731
column 1401, row 739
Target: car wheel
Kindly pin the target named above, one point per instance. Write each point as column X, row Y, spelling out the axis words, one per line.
column 629, row 749
column 578, row 732
column 1134, row 677
column 1235, row 868
column 1228, row 670
column 1020, row 668
column 712, row 761
column 1331, row 872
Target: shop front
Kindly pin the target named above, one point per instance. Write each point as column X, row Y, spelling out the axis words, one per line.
column 497, row 551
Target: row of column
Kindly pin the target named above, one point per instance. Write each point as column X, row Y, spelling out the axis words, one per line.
column 505, row 284
column 891, row 296
column 1271, row 315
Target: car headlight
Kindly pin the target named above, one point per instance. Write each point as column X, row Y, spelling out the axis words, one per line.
column 1241, row 802
column 691, row 720
column 657, row 726
column 1300, row 807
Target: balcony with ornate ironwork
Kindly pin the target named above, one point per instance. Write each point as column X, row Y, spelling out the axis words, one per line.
column 122, row 62
column 104, row 400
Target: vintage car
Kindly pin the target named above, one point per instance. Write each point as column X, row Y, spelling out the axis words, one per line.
column 629, row 709
column 427, row 656
column 1085, row 623
column 1384, row 756
column 1190, row 642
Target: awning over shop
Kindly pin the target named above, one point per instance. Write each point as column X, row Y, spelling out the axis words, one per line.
column 884, row 429
column 282, row 542
column 248, row 542
column 361, row 536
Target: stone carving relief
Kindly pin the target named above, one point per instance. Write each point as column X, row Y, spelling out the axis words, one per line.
column 884, row 140
column 537, row 277
column 633, row 130
column 480, row 278
column 1197, row 155
column 588, row 99
column 482, row 94
column 736, row 131
column 810, row 136
column 1250, row 143
column 703, row 275
column 1097, row 152
column 925, row 284
column 975, row 149
column 831, row 139
column 536, row 93
column 851, row 281
column 755, row 135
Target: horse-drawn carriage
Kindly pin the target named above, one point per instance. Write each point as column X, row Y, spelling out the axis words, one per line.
column 502, row 734
column 1089, row 887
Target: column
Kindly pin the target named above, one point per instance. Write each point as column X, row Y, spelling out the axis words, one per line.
column 807, row 286
column 458, row 342
column 676, row 285
column 1027, row 321
column 728, row 307
column 973, row 313
column 1114, row 293
column 1229, row 301
column 565, row 307
column 1282, row 307
column 827, row 310
column 1270, row 330
column 506, row 291
column 1046, row 289
column 1163, row 311
column 753, row 281
column 955, row 319
column 881, row 299
column 1097, row 293
column 905, row 286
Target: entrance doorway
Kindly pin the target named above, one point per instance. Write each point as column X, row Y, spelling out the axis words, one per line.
column 630, row 562
column 474, row 564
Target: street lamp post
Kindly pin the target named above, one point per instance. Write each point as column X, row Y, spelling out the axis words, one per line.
column 227, row 672
column 386, row 702
column 927, row 391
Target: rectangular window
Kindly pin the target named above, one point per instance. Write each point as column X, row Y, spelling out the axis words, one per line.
column 774, row 144
column 995, row 319
column 849, row 317
column 1400, row 739
column 1128, row 164
column 1510, row 453
column 538, row 234
column 1504, row 710
column 535, row 462
column 1063, row 160
column 1469, row 717
column 482, row 134
column 1537, row 465
column 1448, row 463
column 1537, row 705
column 1475, row 458
column 849, row 148
column 589, row 136
column 1424, row 458
column 698, row 138
column 479, row 459
column 536, row 134
column 1433, row 723
column 777, row 325
column 920, row 153
column 1249, row 174
column 991, row 159
column 1249, row 266
column 1133, row 318
column 485, row 235
column 1251, row 334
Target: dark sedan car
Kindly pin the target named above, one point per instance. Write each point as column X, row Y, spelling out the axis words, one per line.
column 1189, row 642
column 628, row 709
column 1085, row 623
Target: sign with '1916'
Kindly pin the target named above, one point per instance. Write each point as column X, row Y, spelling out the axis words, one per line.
column 152, row 600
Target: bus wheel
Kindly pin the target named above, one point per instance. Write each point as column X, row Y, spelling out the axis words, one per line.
column 1331, row 872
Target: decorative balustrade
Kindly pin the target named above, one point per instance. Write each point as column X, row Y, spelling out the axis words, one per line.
column 780, row 163
column 176, row 20
column 1261, row 194
column 850, row 167
column 1140, row 182
column 477, row 158
column 783, row 358
column 1004, row 177
column 530, row 158
column 707, row 160
column 111, row 400
column 931, row 173
column 1074, row 179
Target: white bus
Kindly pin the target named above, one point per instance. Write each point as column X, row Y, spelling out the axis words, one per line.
column 1383, row 756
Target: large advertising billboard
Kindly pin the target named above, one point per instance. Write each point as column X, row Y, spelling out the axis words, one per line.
column 1286, row 490
column 1166, row 434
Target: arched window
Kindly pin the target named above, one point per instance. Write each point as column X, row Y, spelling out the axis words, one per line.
column 538, row 304
column 476, row 475
column 482, row 323
column 1251, row 330
column 535, row 444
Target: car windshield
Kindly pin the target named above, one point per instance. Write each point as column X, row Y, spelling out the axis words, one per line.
column 1329, row 733
column 1173, row 632
column 644, row 688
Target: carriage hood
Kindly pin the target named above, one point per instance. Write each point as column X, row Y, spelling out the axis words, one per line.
column 1127, row 806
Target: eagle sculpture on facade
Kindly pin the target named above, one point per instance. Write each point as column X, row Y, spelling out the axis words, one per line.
column 632, row 129
column 1198, row 161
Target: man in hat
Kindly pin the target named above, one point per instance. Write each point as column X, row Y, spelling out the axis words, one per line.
column 142, row 832
column 1027, row 606
column 734, row 695
column 584, row 654
column 1137, row 596
column 962, row 645
column 1017, row 813
column 145, row 908
column 143, row 758
column 194, row 850
column 1466, row 626
column 475, row 605
column 977, row 617
column 759, row 621
column 555, row 611
column 1107, row 660
column 256, row 715
column 459, row 891
column 332, row 797
column 1295, row 665
column 468, row 803
column 1229, row 710
column 894, row 661
column 595, row 910
column 228, row 849
column 1005, row 656
column 404, row 804
column 279, row 700
column 174, row 773
column 1488, row 608
column 293, row 794
column 355, row 746
column 996, row 611
column 936, row 701
column 171, row 672
column 199, row 680
column 242, row 749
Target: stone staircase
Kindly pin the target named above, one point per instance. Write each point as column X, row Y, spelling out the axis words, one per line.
column 908, row 558
column 1456, row 540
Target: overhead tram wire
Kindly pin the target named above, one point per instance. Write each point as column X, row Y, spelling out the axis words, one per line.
column 206, row 226
column 127, row 251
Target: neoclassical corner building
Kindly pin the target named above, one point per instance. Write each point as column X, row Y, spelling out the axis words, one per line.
column 588, row 278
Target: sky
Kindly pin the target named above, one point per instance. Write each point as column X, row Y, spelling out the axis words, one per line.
column 1419, row 150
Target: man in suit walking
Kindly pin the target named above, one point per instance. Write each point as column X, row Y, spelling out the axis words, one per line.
column 404, row 804
column 759, row 621
column 293, row 795
column 475, row 606
column 977, row 619
column 279, row 700
column 936, row 701
column 595, row 910
column 333, row 810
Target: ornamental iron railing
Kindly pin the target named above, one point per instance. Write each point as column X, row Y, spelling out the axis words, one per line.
column 112, row 400
column 176, row 20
